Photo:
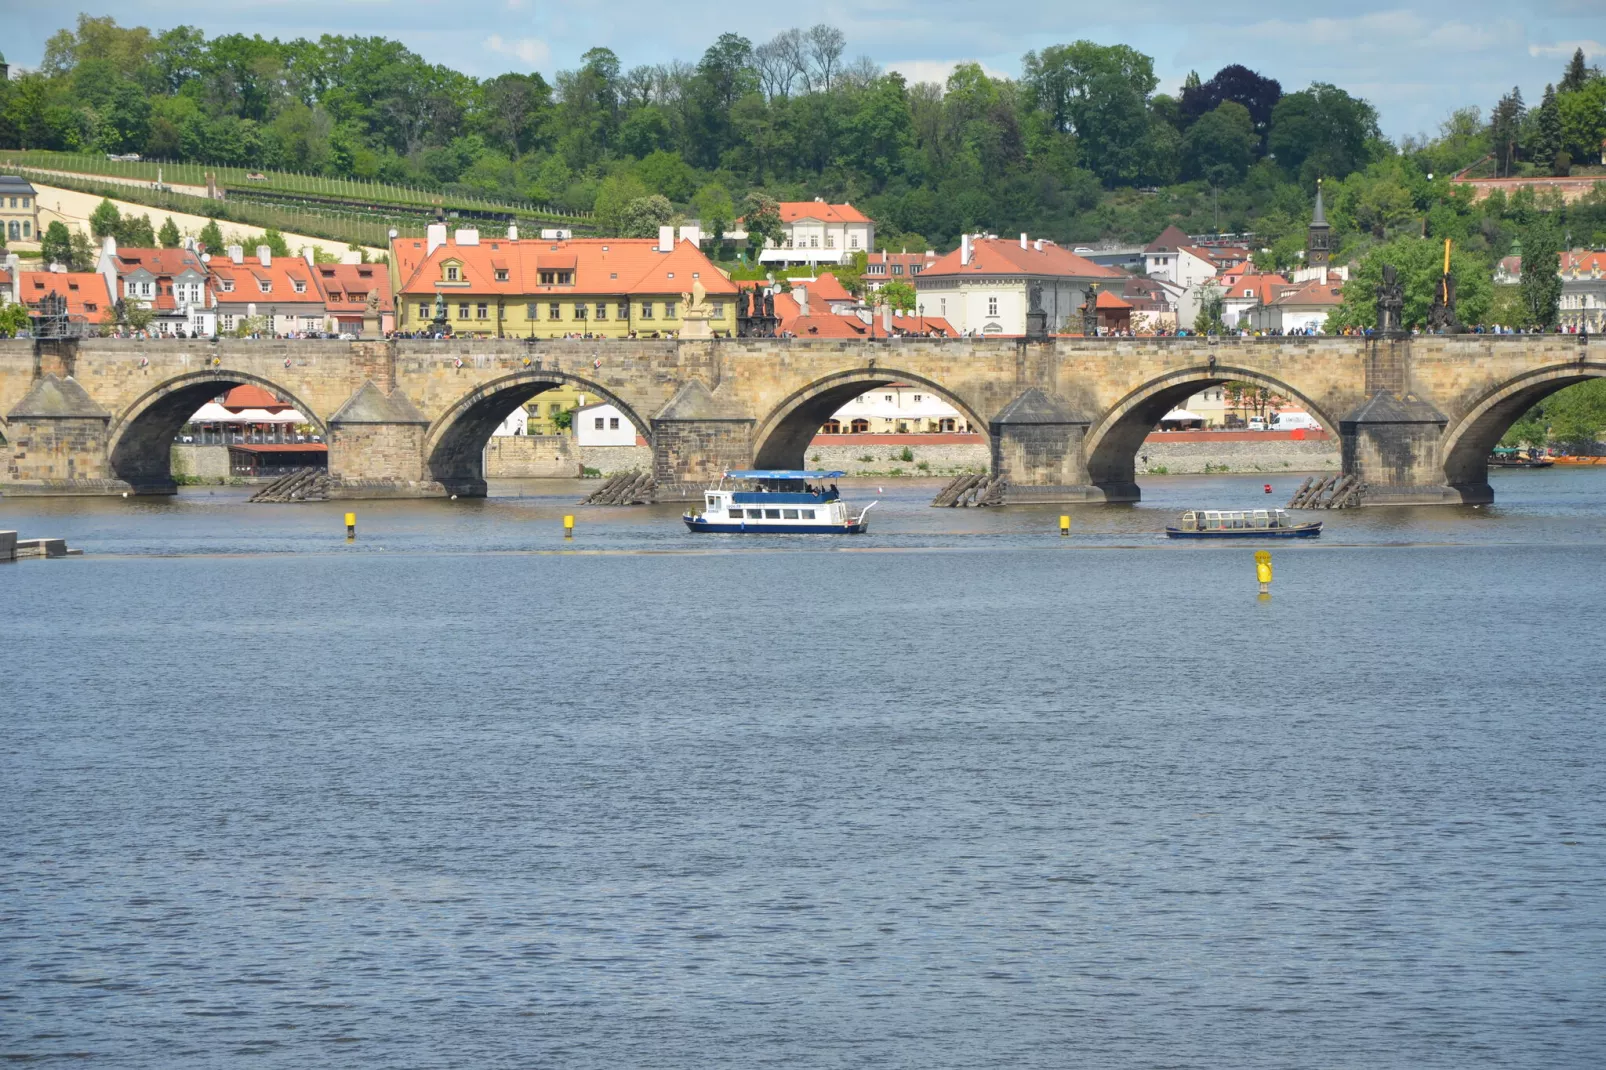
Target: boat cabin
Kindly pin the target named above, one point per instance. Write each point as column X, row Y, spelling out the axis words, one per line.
column 775, row 500
column 1235, row 519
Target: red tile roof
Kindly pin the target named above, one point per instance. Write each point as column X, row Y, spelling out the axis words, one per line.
column 281, row 275
column 160, row 262
column 352, row 283
column 792, row 211
column 605, row 266
column 85, row 291
column 1170, row 240
column 1263, row 288
column 998, row 256
column 1108, row 300
column 825, row 288
column 250, row 396
column 1315, row 292
column 826, row 325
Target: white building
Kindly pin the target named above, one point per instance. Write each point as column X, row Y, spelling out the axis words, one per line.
column 173, row 283
column 896, row 409
column 984, row 287
column 816, row 233
column 1298, row 309
column 603, row 424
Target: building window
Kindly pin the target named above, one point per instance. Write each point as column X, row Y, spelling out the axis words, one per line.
column 646, row 310
column 300, row 287
column 599, row 423
column 451, row 273
column 228, row 322
column 830, row 241
column 919, row 397
column 482, row 311
column 27, row 227
column 565, row 277
column 897, row 269
column 602, row 310
column 265, row 285
column 853, row 241
column 624, row 310
column 423, row 310
column 669, row 310
column 532, row 310
column 579, row 311
column 719, row 310
column 501, row 274
column 992, row 306
column 860, row 427
column 613, row 423
column 548, row 278
column 553, row 312
column 814, row 241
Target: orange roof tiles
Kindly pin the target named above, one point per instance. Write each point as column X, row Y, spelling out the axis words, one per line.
column 827, row 325
column 352, row 283
column 161, row 262
column 85, row 291
column 998, row 256
column 282, row 274
column 825, row 288
column 792, row 211
column 1315, row 292
column 251, row 396
column 602, row 266
column 1108, row 300
column 1263, row 288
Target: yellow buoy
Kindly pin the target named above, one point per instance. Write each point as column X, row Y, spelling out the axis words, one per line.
column 351, row 525
column 1263, row 570
column 1065, row 525
column 568, row 527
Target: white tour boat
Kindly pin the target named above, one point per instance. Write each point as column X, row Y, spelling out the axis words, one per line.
column 777, row 502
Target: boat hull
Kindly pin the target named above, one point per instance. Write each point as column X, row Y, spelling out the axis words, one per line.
column 696, row 524
column 1303, row 531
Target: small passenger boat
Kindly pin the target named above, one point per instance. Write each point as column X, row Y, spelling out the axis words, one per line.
column 1512, row 457
column 777, row 502
column 1241, row 524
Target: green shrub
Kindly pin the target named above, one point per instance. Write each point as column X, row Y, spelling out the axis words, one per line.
column 590, row 473
column 906, row 454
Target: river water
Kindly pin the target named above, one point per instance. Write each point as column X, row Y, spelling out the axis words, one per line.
column 957, row 793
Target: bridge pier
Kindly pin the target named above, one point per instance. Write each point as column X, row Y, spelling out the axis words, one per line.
column 376, row 450
column 696, row 438
column 1037, row 446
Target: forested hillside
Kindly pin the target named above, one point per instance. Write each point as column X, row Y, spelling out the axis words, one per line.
column 1079, row 146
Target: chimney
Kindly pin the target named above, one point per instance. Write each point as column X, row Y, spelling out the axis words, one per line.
column 1039, row 244
column 886, row 318
column 964, row 250
column 693, row 233
column 801, row 295
column 466, row 236
column 236, row 254
column 265, row 256
column 434, row 237
column 512, row 232
column 309, row 256
column 351, row 256
column 666, row 239
column 108, row 245
column 1023, row 239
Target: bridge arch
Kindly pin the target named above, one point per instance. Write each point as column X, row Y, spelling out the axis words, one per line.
column 781, row 439
column 139, row 442
column 1114, row 440
column 454, row 445
column 1468, row 443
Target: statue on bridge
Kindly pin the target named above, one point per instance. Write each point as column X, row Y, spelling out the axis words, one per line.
column 1090, row 312
column 439, row 326
column 1441, row 314
column 694, row 319
column 1390, row 303
column 1036, row 318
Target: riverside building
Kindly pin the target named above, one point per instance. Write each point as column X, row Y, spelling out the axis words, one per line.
column 557, row 288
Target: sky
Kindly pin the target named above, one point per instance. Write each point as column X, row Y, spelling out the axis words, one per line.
column 1415, row 62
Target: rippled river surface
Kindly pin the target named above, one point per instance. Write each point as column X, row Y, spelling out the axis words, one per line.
column 958, row 793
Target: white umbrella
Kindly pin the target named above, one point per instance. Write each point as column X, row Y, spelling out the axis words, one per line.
column 213, row 413
column 263, row 416
column 1180, row 414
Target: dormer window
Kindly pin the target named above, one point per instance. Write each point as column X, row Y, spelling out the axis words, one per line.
column 227, row 285
column 300, row 285
column 265, row 285
column 451, row 272
column 501, row 274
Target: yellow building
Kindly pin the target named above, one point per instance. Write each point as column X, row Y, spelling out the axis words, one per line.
column 521, row 288
column 19, row 210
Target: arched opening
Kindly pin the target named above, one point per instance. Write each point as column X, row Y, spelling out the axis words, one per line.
column 782, row 440
column 141, row 442
column 1114, row 443
column 1467, row 447
column 455, row 450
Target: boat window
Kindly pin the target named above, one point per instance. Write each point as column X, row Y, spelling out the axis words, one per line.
column 755, row 514
column 806, row 514
column 788, row 514
column 772, row 514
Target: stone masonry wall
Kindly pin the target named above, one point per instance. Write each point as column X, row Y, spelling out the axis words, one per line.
column 200, row 462
column 531, row 457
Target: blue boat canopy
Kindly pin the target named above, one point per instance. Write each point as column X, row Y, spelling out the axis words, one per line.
column 783, row 473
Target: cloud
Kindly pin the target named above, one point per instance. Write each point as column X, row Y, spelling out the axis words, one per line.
column 935, row 70
column 1565, row 49
column 531, row 50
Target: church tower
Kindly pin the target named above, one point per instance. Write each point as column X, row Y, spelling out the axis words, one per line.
column 1318, row 247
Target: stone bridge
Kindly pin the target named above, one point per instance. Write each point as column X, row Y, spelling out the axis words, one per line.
column 1065, row 417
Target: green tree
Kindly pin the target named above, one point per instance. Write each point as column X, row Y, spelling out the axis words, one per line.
column 56, row 245
column 1582, row 115
column 274, row 241
column 643, row 216
column 1419, row 265
column 1541, row 272
column 899, row 294
column 211, row 237
column 136, row 232
column 169, row 235
column 714, row 210
column 1220, row 146
column 1545, row 142
column 1211, row 305
column 81, row 254
column 614, row 196
column 761, row 218
column 1577, row 74
column 1505, row 130
column 105, row 220
column 1322, row 132
column 13, row 318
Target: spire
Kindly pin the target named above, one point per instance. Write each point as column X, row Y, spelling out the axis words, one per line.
column 1319, row 219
